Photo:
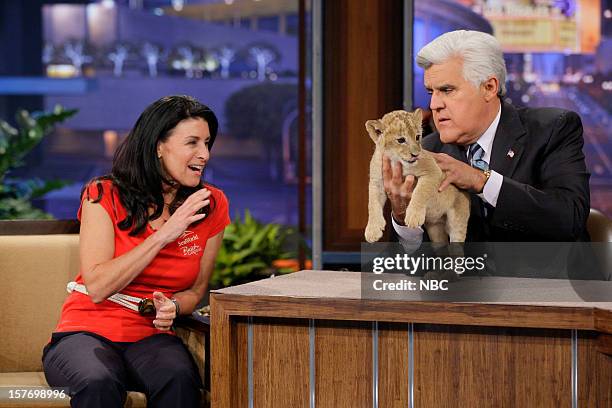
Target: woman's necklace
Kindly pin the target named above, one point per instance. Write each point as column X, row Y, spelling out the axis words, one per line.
column 161, row 217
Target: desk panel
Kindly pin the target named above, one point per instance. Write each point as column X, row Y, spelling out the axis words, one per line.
column 343, row 358
column 280, row 363
column 307, row 340
column 491, row 367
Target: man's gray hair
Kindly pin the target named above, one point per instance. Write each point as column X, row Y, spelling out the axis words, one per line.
column 481, row 54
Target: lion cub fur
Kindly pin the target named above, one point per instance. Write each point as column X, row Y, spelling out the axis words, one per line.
column 444, row 214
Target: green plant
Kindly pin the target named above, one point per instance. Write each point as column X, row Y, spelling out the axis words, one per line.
column 15, row 144
column 248, row 250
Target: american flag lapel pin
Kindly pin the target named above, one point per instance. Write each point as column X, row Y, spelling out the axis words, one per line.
column 510, row 153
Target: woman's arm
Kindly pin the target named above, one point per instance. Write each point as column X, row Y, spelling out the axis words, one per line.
column 104, row 275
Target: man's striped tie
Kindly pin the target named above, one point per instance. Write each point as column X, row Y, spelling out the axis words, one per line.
column 475, row 157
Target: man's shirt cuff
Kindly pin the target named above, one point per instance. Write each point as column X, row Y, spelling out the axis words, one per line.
column 491, row 189
column 413, row 235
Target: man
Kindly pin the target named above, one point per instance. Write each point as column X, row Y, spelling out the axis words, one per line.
column 525, row 167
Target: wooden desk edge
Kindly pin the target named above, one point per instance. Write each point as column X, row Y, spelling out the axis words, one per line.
column 603, row 320
column 474, row 314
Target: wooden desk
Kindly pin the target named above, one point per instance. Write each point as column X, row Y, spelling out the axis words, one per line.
column 307, row 338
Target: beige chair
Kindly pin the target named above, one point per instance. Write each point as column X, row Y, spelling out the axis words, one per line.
column 34, row 270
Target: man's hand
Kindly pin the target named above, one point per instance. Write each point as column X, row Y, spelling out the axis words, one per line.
column 460, row 174
column 398, row 189
column 165, row 312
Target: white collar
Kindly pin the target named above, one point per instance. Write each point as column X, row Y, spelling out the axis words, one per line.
column 486, row 140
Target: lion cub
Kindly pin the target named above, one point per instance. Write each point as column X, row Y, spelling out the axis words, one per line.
column 444, row 214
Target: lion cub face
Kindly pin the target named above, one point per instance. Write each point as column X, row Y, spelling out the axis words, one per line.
column 399, row 134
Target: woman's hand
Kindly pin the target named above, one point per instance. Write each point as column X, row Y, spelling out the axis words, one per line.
column 165, row 312
column 185, row 215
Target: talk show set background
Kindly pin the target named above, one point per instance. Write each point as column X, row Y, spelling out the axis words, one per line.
column 306, row 203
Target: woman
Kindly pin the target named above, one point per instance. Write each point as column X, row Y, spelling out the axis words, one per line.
column 149, row 229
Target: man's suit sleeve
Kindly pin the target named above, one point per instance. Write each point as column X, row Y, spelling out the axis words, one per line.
column 557, row 209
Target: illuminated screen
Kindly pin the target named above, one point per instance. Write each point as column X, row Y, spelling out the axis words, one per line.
column 570, row 26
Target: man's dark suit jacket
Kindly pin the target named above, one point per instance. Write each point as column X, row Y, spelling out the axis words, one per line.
column 545, row 192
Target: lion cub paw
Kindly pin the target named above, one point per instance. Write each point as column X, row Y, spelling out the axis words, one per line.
column 374, row 231
column 415, row 219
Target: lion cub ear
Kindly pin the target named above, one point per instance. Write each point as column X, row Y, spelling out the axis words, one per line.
column 418, row 116
column 375, row 129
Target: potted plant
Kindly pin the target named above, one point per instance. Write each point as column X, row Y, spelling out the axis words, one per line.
column 248, row 252
column 15, row 144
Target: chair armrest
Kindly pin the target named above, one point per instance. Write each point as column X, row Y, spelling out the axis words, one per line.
column 194, row 330
column 195, row 322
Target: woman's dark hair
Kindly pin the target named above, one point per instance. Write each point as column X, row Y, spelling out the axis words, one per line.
column 137, row 173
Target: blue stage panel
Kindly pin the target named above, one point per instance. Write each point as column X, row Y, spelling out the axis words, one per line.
column 45, row 86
